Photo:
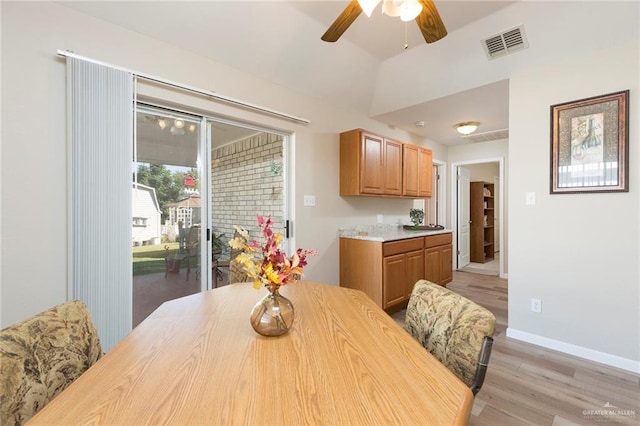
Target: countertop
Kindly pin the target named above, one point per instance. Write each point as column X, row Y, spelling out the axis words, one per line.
column 382, row 233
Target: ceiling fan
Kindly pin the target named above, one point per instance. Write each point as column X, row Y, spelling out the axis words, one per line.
column 428, row 18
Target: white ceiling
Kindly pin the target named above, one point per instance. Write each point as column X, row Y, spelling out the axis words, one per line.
column 284, row 38
column 383, row 36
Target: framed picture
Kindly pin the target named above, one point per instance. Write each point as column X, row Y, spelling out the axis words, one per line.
column 590, row 144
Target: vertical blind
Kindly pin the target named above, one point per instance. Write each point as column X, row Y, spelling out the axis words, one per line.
column 100, row 110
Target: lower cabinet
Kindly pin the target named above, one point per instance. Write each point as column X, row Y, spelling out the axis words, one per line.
column 401, row 271
column 387, row 271
column 438, row 259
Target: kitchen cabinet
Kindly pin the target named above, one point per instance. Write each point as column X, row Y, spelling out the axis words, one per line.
column 369, row 164
column 373, row 165
column 417, row 171
column 386, row 271
column 482, row 216
column 402, row 266
column 438, row 259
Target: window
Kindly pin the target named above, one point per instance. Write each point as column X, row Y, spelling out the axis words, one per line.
column 140, row 222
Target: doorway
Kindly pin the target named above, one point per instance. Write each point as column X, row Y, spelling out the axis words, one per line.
column 249, row 177
column 194, row 178
column 463, row 173
column 167, row 209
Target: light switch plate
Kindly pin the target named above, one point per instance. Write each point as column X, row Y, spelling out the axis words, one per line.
column 536, row 305
column 531, row 199
column 309, row 200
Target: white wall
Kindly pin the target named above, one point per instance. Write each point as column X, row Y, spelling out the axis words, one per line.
column 578, row 253
column 34, row 213
column 555, row 30
column 483, row 172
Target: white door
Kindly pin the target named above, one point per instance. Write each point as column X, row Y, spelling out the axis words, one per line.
column 496, row 203
column 464, row 238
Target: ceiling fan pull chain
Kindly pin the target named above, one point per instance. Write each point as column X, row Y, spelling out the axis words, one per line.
column 406, row 40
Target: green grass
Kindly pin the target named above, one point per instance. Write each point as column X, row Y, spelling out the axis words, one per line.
column 150, row 259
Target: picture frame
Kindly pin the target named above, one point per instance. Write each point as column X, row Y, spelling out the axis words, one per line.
column 590, row 144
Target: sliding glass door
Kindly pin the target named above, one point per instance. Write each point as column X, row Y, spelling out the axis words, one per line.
column 248, row 178
column 194, row 178
column 167, row 213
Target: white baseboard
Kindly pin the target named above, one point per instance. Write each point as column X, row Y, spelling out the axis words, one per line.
column 505, row 276
column 579, row 351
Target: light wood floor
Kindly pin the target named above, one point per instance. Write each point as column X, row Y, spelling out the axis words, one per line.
column 527, row 384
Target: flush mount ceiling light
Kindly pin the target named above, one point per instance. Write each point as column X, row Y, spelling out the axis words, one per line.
column 467, row 127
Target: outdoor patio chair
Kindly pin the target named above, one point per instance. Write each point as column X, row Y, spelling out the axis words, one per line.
column 190, row 253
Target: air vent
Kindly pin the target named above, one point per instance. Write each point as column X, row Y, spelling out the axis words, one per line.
column 505, row 43
column 487, row 136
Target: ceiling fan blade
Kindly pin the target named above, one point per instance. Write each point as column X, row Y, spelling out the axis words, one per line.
column 430, row 23
column 342, row 22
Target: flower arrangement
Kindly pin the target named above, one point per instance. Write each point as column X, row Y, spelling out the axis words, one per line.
column 266, row 264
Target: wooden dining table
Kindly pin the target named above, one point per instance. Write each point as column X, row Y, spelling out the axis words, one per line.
column 197, row 360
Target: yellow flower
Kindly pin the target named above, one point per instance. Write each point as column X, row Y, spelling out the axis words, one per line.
column 271, row 274
column 273, row 268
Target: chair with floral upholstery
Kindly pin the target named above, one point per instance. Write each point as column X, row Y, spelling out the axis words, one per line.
column 457, row 331
column 41, row 356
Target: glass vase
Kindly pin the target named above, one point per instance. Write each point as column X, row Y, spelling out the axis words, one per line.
column 272, row 315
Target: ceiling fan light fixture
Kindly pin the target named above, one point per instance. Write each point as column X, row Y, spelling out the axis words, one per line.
column 368, row 6
column 410, row 10
column 423, row 11
column 467, row 127
column 391, row 7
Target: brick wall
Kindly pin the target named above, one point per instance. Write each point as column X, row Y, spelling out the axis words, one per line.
column 244, row 183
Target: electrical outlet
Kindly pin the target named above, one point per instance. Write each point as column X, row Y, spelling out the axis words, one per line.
column 536, row 305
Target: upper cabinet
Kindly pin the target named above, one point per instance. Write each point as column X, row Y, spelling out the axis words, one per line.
column 373, row 165
column 416, row 171
column 369, row 164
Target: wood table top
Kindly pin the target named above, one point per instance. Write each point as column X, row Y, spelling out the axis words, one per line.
column 196, row 360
